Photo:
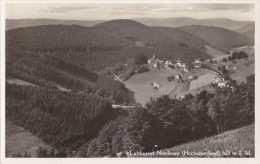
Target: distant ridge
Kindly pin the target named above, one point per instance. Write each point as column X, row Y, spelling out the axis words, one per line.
column 165, row 22
column 219, row 38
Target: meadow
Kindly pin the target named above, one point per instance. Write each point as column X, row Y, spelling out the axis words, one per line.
column 20, row 141
column 140, row 84
column 237, row 143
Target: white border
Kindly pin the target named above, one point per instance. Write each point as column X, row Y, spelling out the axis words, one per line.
column 131, row 160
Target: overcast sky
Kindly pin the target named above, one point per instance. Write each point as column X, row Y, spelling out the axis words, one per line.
column 128, row 11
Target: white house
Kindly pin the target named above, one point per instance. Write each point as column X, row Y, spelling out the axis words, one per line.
column 185, row 69
column 191, row 77
column 179, row 63
column 152, row 61
column 197, row 66
column 221, row 85
column 155, row 85
column 197, row 61
column 168, row 62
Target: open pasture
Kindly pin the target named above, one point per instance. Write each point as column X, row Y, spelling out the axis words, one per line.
column 20, row 141
column 140, row 84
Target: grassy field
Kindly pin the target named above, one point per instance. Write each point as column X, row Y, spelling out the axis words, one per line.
column 11, row 80
column 140, row 84
column 18, row 140
column 202, row 80
column 234, row 143
column 244, row 67
column 214, row 52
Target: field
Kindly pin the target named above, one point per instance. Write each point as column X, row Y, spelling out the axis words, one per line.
column 244, row 67
column 140, row 84
column 236, row 141
column 11, row 80
column 202, row 80
column 18, row 140
column 214, row 52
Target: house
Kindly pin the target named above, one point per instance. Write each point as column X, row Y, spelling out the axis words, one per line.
column 178, row 63
column 155, row 85
column 218, row 79
column 168, row 62
column 178, row 77
column 197, row 66
column 152, row 61
column 197, row 61
column 235, row 68
column 221, row 85
column 191, row 77
column 185, row 69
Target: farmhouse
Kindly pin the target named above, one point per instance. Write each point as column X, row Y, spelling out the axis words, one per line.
column 221, row 85
column 197, row 61
column 179, row 63
column 153, row 61
column 178, row 77
column 197, row 66
column 217, row 79
column 168, row 62
column 155, row 85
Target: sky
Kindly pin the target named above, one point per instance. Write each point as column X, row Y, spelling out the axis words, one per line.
column 101, row 11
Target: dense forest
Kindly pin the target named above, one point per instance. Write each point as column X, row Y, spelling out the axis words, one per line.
column 62, row 119
column 48, row 71
column 106, row 43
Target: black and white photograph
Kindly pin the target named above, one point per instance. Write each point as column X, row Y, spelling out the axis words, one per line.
column 128, row 80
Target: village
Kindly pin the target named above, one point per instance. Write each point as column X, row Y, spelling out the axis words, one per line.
column 179, row 78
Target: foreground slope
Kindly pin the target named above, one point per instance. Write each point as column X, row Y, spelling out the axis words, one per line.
column 239, row 141
column 234, row 140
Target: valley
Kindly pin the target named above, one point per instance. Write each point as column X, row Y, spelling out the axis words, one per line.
column 97, row 88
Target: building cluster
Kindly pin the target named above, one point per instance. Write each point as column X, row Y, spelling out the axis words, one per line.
column 186, row 67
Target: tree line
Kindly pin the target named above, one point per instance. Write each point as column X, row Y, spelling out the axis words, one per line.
column 168, row 122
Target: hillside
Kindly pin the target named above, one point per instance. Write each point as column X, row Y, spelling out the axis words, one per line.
column 106, row 43
column 248, row 30
column 151, row 36
column 237, row 141
column 234, row 141
column 62, row 37
column 219, row 38
column 48, row 71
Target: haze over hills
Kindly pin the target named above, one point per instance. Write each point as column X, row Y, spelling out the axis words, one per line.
column 166, row 22
column 185, row 21
column 217, row 37
column 248, row 30
column 17, row 23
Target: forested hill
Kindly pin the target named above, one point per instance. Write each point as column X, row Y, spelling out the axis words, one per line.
column 111, row 42
column 248, row 30
column 62, row 37
column 151, row 36
column 48, row 71
column 219, row 38
column 107, row 43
